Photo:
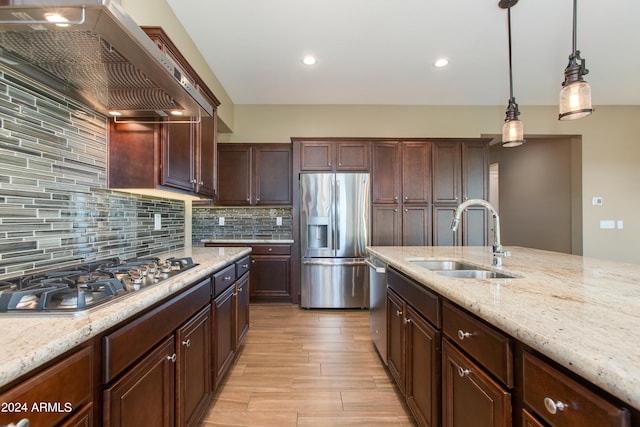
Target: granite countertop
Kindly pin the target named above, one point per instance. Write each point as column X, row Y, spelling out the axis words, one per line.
column 29, row 341
column 248, row 241
column 583, row 313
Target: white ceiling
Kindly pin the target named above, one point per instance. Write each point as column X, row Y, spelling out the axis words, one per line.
column 382, row 51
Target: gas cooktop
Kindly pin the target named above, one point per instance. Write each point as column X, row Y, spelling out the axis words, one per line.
column 76, row 289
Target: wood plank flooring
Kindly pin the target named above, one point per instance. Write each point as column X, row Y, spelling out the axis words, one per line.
column 307, row 368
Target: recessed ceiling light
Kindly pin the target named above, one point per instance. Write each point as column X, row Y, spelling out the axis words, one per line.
column 176, row 113
column 115, row 113
column 441, row 62
column 57, row 19
column 309, row 60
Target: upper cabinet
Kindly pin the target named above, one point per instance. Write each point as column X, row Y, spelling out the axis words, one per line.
column 254, row 174
column 166, row 153
column 330, row 155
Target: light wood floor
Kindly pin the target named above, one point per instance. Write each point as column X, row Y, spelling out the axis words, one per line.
column 308, row 368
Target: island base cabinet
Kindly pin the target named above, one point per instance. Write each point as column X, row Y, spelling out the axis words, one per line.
column 144, row 396
column 395, row 339
column 562, row 402
column 470, row 397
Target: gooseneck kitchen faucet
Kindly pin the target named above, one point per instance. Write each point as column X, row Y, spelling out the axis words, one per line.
column 498, row 253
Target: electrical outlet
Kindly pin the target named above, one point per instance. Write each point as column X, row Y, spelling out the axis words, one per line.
column 221, row 220
column 597, row 201
column 607, row 223
column 278, row 220
column 157, row 221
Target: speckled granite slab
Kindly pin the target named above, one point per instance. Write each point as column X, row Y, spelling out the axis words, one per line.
column 30, row 341
column 584, row 313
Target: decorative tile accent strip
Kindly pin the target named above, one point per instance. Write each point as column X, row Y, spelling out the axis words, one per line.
column 55, row 208
column 242, row 223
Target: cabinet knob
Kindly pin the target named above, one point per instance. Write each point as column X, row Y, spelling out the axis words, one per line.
column 462, row 335
column 201, row 183
column 187, row 343
column 329, row 164
column 193, row 181
column 22, row 423
column 463, row 372
column 257, row 199
column 398, row 313
column 395, row 198
column 270, row 249
column 245, row 265
column 225, row 278
column 553, row 407
column 172, row 358
column 253, row 261
column 406, row 197
column 247, row 199
column 406, row 321
column 395, row 210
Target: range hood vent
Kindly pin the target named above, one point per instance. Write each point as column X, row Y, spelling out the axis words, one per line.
column 102, row 58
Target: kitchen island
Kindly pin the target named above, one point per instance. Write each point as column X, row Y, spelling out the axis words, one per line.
column 29, row 341
column 582, row 313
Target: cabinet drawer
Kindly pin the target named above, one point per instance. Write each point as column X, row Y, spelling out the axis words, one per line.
column 484, row 343
column 242, row 266
column 126, row 345
column 544, row 386
column 68, row 385
column 223, row 279
column 424, row 301
column 271, row 249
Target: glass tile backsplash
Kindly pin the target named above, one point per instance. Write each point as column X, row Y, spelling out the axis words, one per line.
column 241, row 223
column 55, row 207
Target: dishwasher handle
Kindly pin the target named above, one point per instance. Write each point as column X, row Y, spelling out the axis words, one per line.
column 377, row 268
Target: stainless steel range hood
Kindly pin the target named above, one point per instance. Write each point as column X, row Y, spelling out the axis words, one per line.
column 101, row 58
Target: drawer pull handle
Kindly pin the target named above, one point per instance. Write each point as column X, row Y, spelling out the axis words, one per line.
column 245, row 265
column 462, row 335
column 553, row 407
column 187, row 343
column 172, row 358
column 398, row 313
column 226, row 278
column 463, row 372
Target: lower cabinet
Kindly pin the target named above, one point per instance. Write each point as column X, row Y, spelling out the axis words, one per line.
column 470, row 396
column 271, row 273
column 413, row 352
column 230, row 319
column 60, row 395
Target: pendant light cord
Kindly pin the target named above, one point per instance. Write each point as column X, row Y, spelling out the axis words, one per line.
column 575, row 25
column 510, row 70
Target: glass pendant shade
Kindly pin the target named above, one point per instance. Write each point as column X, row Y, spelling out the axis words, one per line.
column 512, row 133
column 575, row 101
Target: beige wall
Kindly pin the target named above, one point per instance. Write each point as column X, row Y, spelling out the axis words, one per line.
column 610, row 151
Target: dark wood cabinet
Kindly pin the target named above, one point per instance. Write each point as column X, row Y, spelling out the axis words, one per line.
column 254, row 174
column 145, row 394
column 193, row 380
column 68, row 383
column 446, row 172
column 242, row 291
column 386, row 176
column 416, row 172
column 334, row 155
column 167, row 153
column 271, row 273
column 416, row 225
column 386, row 223
column 413, row 347
column 470, row 396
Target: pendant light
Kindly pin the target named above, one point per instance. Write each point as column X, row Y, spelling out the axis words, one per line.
column 575, row 96
column 512, row 130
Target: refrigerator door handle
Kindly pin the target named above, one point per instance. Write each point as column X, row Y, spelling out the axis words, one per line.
column 336, row 222
column 329, row 263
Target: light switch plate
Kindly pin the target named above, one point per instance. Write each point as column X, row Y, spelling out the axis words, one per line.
column 221, row 220
column 607, row 224
column 157, row 221
column 278, row 220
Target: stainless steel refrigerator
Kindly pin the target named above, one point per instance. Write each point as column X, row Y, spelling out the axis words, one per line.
column 334, row 232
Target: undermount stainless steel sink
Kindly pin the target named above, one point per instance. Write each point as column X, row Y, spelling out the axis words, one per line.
column 438, row 264
column 459, row 270
column 474, row 274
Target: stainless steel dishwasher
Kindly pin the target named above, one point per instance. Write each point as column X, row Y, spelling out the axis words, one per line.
column 378, row 304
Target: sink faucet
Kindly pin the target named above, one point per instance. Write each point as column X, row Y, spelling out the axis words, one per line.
column 498, row 253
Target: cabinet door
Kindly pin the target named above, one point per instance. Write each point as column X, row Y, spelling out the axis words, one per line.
column 442, row 234
column 224, row 332
column 177, row 155
column 469, row 396
column 270, row 278
column 316, row 155
column 353, row 156
column 206, row 155
column 385, row 176
column 386, row 225
column 82, row 418
column 415, row 226
column 475, row 170
column 475, row 227
column 272, row 175
column 242, row 290
column 144, row 395
column 193, row 379
column 234, row 168
column 446, row 172
column 416, row 172
column 134, row 155
column 422, row 369
column 395, row 339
